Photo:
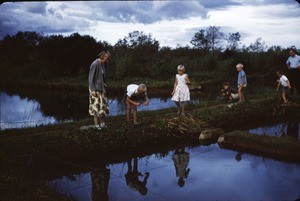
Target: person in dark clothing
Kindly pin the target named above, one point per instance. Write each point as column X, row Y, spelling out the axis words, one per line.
column 132, row 178
column 229, row 94
column 98, row 103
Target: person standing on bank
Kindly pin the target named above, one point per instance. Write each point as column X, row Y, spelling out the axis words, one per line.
column 181, row 93
column 242, row 81
column 293, row 64
column 98, row 104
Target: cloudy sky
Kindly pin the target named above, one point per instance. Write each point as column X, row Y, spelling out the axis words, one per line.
column 172, row 23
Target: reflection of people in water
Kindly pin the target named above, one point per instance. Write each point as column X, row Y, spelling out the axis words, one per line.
column 181, row 161
column 132, row 178
column 292, row 129
column 100, row 180
column 238, row 156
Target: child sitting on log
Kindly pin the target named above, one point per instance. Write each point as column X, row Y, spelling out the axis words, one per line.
column 229, row 94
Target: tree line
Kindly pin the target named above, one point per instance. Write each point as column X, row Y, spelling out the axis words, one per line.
column 212, row 55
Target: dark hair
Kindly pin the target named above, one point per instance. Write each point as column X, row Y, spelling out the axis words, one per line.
column 293, row 49
column 101, row 54
column 279, row 71
column 226, row 84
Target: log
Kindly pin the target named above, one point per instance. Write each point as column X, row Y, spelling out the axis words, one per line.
column 211, row 134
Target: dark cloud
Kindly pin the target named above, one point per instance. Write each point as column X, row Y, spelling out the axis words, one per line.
column 35, row 16
column 215, row 4
column 37, row 8
column 146, row 11
column 220, row 4
column 68, row 16
column 182, row 10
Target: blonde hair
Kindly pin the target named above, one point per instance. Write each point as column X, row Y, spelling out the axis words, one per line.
column 239, row 65
column 143, row 86
column 181, row 67
column 103, row 53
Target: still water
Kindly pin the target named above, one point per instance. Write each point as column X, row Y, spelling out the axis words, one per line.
column 33, row 108
column 289, row 129
column 190, row 174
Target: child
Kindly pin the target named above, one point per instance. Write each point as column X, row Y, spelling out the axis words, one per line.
column 181, row 92
column 285, row 86
column 242, row 81
column 134, row 95
column 229, row 94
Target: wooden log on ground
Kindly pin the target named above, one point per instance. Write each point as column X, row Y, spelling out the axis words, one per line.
column 211, row 134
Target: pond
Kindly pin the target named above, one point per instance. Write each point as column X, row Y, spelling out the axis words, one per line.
column 189, row 173
column 33, row 108
column 286, row 128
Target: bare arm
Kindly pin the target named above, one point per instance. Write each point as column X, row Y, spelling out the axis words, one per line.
column 288, row 63
column 289, row 84
column 175, row 84
column 146, row 101
column 187, row 80
column 278, row 85
column 132, row 102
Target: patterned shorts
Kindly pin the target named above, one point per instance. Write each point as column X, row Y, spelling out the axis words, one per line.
column 98, row 105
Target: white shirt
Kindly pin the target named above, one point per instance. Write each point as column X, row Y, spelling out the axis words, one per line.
column 132, row 89
column 283, row 81
column 293, row 61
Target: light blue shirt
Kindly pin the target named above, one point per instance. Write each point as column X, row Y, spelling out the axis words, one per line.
column 294, row 61
column 242, row 78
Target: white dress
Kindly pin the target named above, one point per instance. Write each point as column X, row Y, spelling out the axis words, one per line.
column 182, row 92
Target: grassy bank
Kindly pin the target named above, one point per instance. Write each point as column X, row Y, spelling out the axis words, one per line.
column 286, row 149
column 67, row 141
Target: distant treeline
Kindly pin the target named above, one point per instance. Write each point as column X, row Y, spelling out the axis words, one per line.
column 212, row 55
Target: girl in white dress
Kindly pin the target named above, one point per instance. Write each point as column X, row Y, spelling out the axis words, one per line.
column 181, row 92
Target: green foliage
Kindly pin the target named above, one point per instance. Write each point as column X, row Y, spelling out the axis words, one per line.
column 32, row 56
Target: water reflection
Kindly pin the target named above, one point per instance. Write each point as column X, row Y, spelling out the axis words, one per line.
column 289, row 129
column 132, row 177
column 100, row 180
column 17, row 112
column 216, row 175
column 181, row 161
column 32, row 108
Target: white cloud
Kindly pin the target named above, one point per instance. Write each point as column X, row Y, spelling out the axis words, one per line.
column 170, row 22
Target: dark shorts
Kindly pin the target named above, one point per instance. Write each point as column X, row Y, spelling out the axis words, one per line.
column 285, row 89
column 137, row 98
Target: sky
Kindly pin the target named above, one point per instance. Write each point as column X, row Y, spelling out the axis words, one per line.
column 172, row 23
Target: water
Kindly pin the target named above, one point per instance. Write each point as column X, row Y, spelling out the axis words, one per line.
column 34, row 108
column 207, row 173
column 289, row 129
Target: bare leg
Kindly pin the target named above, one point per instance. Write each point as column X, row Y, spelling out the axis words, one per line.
column 96, row 120
column 102, row 122
column 134, row 114
column 241, row 95
column 182, row 108
column 284, row 98
column 178, row 107
column 128, row 108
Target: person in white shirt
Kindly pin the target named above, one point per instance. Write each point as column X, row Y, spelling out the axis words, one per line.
column 293, row 64
column 285, row 86
column 134, row 96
